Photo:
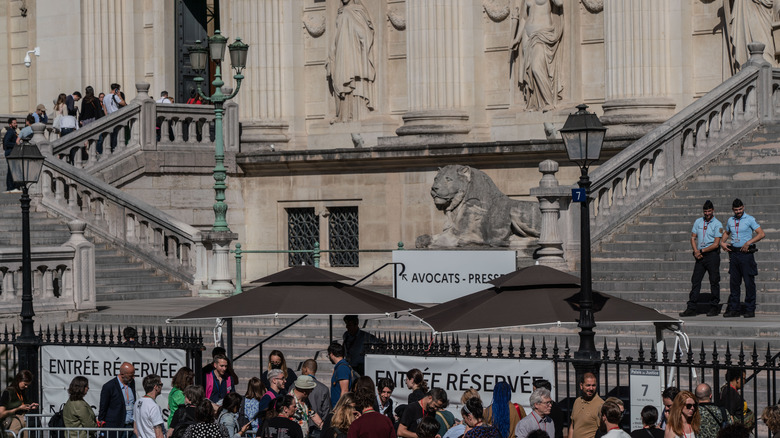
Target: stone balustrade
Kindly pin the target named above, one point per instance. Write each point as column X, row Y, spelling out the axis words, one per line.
column 144, row 125
column 673, row 151
column 63, row 276
column 153, row 236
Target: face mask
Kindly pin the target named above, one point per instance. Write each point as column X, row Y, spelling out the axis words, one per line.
column 276, row 367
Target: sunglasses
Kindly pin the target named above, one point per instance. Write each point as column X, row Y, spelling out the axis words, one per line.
column 691, row 406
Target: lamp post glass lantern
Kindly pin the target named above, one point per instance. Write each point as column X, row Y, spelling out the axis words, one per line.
column 26, row 163
column 583, row 135
column 198, row 60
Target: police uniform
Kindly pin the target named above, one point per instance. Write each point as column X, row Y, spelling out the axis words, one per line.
column 706, row 233
column 742, row 265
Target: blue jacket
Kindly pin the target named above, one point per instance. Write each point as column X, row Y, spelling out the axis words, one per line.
column 112, row 403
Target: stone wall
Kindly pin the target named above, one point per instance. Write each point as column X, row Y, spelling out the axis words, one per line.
column 441, row 71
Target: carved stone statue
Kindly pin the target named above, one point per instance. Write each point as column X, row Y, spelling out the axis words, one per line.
column 478, row 214
column 537, row 28
column 750, row 21
column 350, row 64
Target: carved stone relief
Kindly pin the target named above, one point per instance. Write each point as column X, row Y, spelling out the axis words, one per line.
column 537, row 29
column 314, row 24
column 478, row 214
column 396, row 19
column 497, row 10
column 594, row 6
column 350, row 65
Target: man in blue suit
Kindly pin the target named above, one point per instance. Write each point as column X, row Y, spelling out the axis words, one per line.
column 116, row 401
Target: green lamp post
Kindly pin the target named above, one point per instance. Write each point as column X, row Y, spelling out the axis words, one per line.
column 199, row 60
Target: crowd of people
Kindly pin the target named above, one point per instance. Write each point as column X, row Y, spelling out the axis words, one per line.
column 283, row 404
column 300, row 406
column 70, row 115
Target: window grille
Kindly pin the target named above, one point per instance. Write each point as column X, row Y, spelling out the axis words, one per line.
column 343, row 234
column 303, row 231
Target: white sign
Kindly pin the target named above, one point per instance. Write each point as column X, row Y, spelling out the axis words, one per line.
column 440, row 276
column 60, row 364
column 645, row 390
column 456, row 375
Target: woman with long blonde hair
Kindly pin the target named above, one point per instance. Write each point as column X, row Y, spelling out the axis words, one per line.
column 684, row 419
column 342, row 416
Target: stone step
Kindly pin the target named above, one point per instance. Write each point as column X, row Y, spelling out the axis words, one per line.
column 150, row 278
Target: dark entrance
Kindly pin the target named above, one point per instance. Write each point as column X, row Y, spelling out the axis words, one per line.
column 192, row 17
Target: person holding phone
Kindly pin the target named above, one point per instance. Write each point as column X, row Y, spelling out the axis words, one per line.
column 14, row 402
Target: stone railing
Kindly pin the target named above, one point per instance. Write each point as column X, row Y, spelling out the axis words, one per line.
column 144, row 125
column 673, row 151
column 155, row 237
column 63, row 276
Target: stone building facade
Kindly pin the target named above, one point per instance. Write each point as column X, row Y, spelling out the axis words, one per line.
column 350, row 106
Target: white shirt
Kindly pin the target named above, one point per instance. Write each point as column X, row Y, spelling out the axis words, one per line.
column 164, row 100
column 112, row 103
column 147, row 414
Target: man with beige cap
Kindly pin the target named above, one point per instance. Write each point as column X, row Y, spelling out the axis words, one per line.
column 304, row 415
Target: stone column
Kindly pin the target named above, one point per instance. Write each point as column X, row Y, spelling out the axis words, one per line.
column 549, row 194
column 267, row 27
column 638, row 44
column 437, row 54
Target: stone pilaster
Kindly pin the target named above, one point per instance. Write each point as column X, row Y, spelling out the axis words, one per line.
column 108, row 44
column 266, row 105
column 637, row 38
column 436, row 54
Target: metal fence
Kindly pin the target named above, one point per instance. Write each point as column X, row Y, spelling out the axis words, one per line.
column 682, row 369
column 184, row 338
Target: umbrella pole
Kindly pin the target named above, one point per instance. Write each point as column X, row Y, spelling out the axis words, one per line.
column 229, row 330
column 330, row 327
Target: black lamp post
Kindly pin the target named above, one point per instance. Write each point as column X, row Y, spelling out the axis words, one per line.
column 26, row 163
column 583, row 135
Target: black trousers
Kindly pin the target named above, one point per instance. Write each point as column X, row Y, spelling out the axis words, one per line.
column 710, row 264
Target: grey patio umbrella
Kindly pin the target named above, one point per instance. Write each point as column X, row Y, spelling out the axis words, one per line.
column 535, row 295
column 302, row 290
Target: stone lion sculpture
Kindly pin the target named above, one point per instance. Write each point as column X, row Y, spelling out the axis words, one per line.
column 478, row 214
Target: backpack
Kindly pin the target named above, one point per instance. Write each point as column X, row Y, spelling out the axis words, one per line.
column 242, row 419
column 353, row 375
column 57, row 420
column 186, row 421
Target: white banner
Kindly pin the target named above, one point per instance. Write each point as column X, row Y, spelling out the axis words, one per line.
column 456, row 375
column 439, row 276
column 60, row 364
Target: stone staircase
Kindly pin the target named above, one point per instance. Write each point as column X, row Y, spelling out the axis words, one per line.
column 118, row 276
column 648, row 260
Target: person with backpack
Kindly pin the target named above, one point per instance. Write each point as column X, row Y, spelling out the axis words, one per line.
column 275, row 386
column 77, row 412
column 186, row 415
column 341, row 381
column 228, row 413
column 182, row 379
column 713, row 418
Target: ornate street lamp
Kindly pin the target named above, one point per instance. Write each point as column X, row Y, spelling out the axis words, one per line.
column 220, row 234
column 26, row 162
column 583, row 135
column 238, row 54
